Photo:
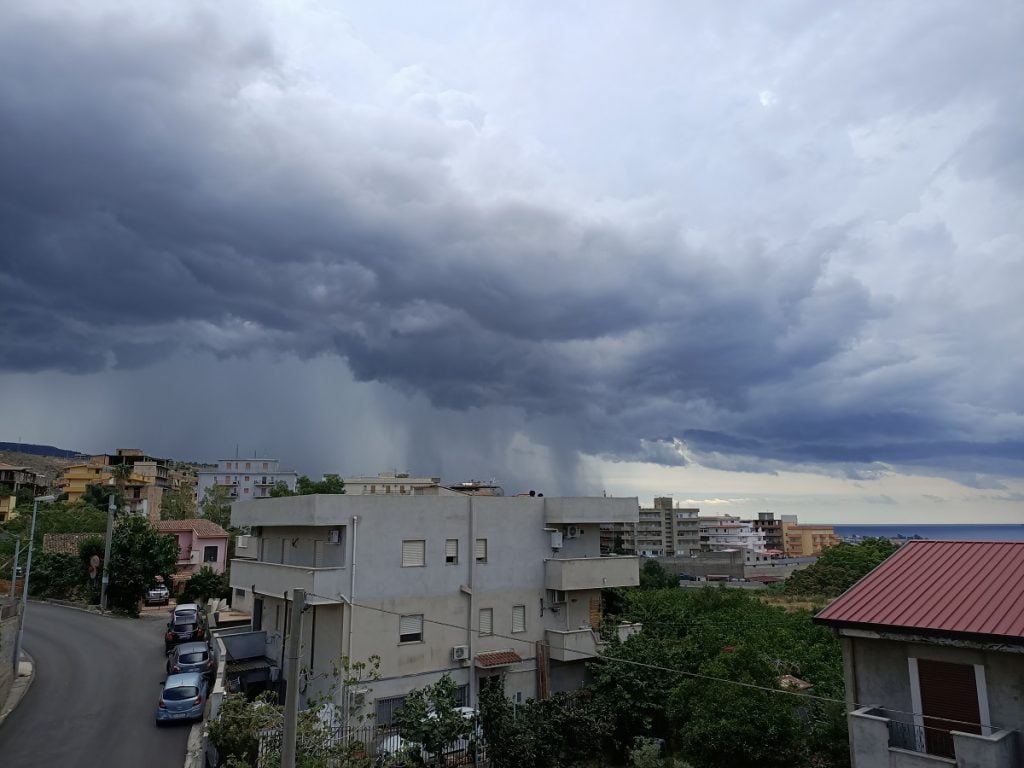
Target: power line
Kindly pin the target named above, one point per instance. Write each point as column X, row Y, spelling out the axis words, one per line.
column 656, row 667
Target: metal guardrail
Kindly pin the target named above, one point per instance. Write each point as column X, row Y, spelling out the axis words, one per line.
column 918, row 738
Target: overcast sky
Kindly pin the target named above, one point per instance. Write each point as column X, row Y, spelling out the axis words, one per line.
column 754, row 255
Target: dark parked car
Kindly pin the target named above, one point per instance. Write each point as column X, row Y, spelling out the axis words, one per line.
column 181, row 698
column 190, row 657
column 184, row 630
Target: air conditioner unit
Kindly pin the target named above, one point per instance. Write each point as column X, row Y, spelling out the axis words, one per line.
column 334, row 536
column 572, row 531
column 460, row 653
column 357, row 697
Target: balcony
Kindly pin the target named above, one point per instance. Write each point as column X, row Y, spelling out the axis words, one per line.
column 322, row 585
column 881, row 741
column 574, row 645
column 569, row 573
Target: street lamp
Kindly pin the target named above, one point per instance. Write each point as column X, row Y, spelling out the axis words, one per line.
column 28, row 574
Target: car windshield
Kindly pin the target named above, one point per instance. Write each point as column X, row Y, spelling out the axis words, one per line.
column 192, row 658
column 182, row 693
column 184, row 627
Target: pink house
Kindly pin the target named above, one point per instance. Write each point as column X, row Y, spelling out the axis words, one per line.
column 201, row 543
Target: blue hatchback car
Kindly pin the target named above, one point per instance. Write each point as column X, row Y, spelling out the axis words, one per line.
column 182, row 698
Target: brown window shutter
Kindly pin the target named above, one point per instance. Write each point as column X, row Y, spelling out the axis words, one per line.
column 949, row 702
column 595, row 611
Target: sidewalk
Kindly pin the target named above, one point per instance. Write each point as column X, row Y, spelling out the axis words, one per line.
column 26, row 674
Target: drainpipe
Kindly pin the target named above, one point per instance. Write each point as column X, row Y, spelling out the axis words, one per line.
column 472, row 698
column 352, row 585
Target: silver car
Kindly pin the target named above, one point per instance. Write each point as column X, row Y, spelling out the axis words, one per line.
column 182, row 698
column 190, row 657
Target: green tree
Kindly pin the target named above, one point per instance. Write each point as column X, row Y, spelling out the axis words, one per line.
column 429, row 717
column 98, row 496
column 138, row 554
column 839, row 568
column 654, row 576
column 206, row 585
column 280, row 488
column 177, row 503
column 330, row 484
column 55, row 574
column 216, row 506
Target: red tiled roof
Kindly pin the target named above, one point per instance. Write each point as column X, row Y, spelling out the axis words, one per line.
column 66, row 543
column 940, row 587
column 201, row 526
column 497, row 658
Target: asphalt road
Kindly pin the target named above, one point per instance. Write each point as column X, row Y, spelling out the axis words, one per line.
column 95, row 691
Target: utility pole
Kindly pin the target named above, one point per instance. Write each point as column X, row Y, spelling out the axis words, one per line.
column 291, row 694
column 111, row 509
column 24, row 590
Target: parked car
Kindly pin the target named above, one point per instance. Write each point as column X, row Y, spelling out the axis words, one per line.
column 158, row 594
column 181, row 698
column 184, row 629
column 190, row 657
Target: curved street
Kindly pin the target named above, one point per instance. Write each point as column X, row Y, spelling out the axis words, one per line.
column 92, row 700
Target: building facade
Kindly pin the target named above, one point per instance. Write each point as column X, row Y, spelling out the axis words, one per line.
column 933, row 656
column 472, row 586
column 806, row 540
column 201, row 544
column 398, row 483
column 22, row 477
column 662, row 530
column 143, row 489
column 718, row 534
column 244, row 478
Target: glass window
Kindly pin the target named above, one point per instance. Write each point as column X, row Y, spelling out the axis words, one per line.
column 486, row 621
column 193, row 658
column 210, row 554
column 451, row 551
column 181, row 694
column 410, row 629
column 480, row 551
column 414, row 553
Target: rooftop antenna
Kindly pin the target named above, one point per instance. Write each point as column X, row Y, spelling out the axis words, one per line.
column 236, row 450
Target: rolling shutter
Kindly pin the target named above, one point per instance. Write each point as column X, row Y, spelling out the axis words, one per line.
column 414, row 552
column 949, row 702
column 410, row 628
column 486, row 621
column 480, row 551
column 451, row 551
column 518, row 618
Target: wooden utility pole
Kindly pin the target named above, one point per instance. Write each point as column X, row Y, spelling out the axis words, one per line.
column 291, row 694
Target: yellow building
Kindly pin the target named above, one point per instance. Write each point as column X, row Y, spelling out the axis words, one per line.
column 143, row 488
column 802, row 540
column 7, row 504
column 73, row 481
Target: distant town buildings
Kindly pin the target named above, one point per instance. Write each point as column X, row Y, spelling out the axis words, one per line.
column 660, row 531
column 803, row 540
column 244, row 478
column 933, row 653
column 143, row 488
column 484, row 588
column 397, row 483
column 22, row 477
column 719, row 534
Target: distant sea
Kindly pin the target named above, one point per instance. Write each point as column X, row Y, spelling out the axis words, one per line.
column 962, row 532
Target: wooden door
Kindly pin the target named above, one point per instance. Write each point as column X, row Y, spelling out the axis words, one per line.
column 949, row 702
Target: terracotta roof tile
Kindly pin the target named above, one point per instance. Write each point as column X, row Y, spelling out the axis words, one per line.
column 201, row 526
column 66, row 543
column 940, row 587
column 497, row 658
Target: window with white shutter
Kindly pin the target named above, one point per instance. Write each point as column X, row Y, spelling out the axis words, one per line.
column 480, row 551
column 451, row 551
column 518, row 618
column 414, row 553
column 410, row 629
column 486, row 621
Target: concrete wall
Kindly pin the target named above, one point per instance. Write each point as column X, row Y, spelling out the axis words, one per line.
column 8, row 630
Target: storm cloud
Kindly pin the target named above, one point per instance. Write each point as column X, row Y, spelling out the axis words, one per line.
column 752, row 239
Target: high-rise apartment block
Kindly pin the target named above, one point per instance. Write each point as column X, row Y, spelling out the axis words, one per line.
column 660, row 531
column 245, row 478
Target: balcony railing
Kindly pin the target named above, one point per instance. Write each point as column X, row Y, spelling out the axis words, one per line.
column 573, row 645
column 276, row 580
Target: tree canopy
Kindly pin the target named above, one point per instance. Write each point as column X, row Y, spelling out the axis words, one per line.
column 304, row 486
column 215, row 506
column 839, row 568
column 138, row 554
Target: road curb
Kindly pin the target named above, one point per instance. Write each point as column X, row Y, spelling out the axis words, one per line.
column 77, row 607
column 194, row 750
column 19, row 688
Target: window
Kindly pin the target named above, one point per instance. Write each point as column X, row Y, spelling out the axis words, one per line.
column 386, row 708
column 486, row 621
column 480, row 551
column 414, row 553
column 210, row 554
column 248, row 466
column 246, row 490
column 247, row 478
column 518, row 618
column 410, row 629
column 264, row 465
column 239, row 592
column 451, row 551
column 556, row 596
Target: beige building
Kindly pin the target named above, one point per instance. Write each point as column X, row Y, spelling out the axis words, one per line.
column 8, row 508
column 397, row 483
column 143, row 488
column 472, row 586
column 804, row 540
column 663, row 530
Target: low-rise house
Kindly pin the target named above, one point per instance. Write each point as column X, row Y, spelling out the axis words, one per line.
column 201, row 543
column 933, row 653
column 473, row 586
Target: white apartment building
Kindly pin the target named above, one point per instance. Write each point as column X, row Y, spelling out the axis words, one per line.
column 473, row 586
column 244, row 478
column 663, row 530
column 727, row 532
column 398, row 483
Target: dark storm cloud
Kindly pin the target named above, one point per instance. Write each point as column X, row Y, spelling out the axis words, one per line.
column 175, row 186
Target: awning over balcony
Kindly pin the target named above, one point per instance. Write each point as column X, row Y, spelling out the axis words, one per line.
column 497, row 659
